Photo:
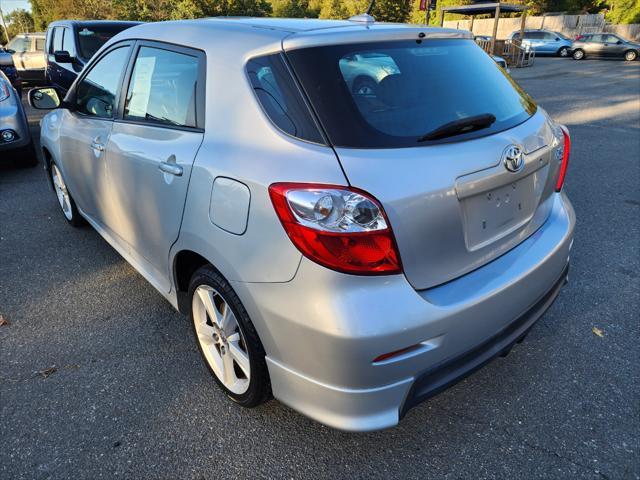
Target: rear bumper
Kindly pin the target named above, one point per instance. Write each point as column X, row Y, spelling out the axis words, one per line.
column 440, row 377
column 322, row 330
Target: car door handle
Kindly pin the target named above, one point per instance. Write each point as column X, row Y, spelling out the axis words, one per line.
column 97, row 146
column 171, row 168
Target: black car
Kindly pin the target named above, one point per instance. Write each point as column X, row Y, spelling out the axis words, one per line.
column 9, row 69
column 71, row 43
column 605, row 45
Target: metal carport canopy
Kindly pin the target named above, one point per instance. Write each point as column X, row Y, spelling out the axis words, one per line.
column 484, row 8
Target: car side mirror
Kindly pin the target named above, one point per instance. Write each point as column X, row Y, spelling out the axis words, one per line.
column 62, row 56
column 557, row 39
column 619, row 42
column 10, row 50
column 44, row 98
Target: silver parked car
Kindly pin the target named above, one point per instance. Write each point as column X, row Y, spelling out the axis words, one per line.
column 352, row 252
column 605, row 45
column 15, row 137
column 28, row 56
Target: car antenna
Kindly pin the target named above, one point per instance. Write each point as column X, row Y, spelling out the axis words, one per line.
column 366, row 16
column 368, row 12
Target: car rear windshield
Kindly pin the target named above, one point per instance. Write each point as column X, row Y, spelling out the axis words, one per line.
column 91, row 38
column 391, row 94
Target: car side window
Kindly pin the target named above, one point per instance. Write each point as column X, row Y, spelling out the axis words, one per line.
column 96, row 92
column 163, row 88
column 58, row 34
column 280, row 98
column 596, row 38
column 68, row 44
column 40, row 44
column 611, row 39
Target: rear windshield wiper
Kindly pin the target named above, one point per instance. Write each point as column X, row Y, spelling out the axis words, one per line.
column 464, row 125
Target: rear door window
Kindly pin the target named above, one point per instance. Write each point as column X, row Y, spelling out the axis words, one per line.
column 390, row 94
column 163, row 88
column 281, row 99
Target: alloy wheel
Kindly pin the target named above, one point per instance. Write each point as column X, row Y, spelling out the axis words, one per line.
column 61, row 192
column 630, row 56
column 221, row 339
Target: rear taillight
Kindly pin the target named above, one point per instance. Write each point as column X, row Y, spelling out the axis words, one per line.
column 341, row 228
column 579, row 37
column 566, row 151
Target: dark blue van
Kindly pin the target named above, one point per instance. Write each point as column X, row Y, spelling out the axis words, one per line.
column 71, row 43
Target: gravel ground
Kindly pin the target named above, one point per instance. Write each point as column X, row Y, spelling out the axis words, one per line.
column 130, row 398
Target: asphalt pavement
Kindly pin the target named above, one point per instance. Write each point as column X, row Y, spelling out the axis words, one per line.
column 100, row 378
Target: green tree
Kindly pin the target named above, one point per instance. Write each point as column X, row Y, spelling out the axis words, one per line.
column 392, row 10
column 333, row 9
column 18, row 21
column 293, row 9
column 624, row 11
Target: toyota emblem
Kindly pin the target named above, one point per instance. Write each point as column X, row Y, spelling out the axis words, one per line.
column 513, row 158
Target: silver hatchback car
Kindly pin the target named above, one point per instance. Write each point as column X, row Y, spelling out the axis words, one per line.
column 352, row 251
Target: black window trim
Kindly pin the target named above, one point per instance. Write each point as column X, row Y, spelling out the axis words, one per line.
column 70, row 99
column 200, row 88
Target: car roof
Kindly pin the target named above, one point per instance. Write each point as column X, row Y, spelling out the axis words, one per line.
column 92, row 23
column 31, row 34
column 241, row 34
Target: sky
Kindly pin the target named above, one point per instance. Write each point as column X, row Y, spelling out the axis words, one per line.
column 9, row 5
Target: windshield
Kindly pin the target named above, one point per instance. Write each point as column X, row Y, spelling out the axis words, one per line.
column 91, row 38
column 19, row 45
column 390, row 94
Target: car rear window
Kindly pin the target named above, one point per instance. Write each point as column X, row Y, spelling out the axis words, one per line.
column 91, row 38
column 390, row 94
column 281, row 99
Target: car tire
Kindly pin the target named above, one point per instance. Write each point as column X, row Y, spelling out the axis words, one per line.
column 630, row 55
column 65, row 200
column 563, row 52
column 364, row 86
column 228, row 343
column 578, row 54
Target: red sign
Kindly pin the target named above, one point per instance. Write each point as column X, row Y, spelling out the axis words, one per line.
column 423, row 5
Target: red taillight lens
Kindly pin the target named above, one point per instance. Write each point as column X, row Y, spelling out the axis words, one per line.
column 579, row 37
column 338, row 227
column 566, row 151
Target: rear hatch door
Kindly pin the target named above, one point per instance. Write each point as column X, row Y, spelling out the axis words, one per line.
column 456, row 200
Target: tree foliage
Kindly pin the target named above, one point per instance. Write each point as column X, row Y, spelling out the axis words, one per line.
column 624, row 11
column 392, row 10
column 18, row 21
column 45, row 11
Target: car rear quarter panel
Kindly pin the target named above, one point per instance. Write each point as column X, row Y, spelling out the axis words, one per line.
column 242, row 144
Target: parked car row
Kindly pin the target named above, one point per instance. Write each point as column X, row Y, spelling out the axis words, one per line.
column 592, row 45
column 55, row 59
